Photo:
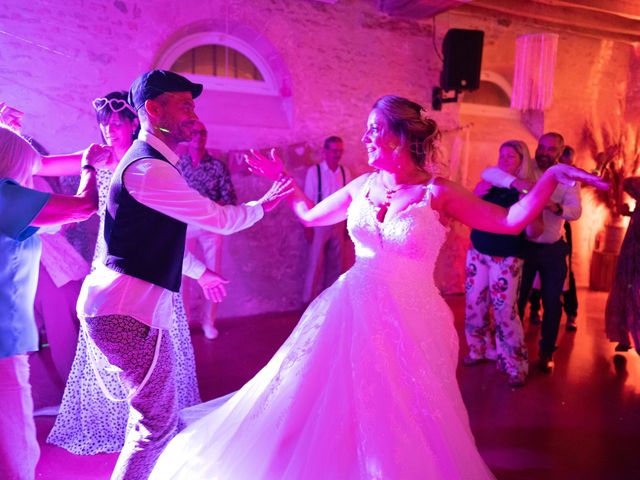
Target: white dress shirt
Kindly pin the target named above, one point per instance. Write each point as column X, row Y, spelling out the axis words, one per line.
column 161, row 187
column 567, row 196
column 331, row 181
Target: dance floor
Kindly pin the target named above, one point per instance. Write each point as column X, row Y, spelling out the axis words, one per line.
column 580, row 422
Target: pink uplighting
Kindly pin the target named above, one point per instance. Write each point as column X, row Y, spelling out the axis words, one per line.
column 319, row 240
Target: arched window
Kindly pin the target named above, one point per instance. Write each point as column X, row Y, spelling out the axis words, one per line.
column 217, row 61
column 492, row 99
column 220, row 62
column 247, row 97
column 489, row 93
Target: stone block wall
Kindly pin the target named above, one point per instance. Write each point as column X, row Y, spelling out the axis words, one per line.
column 339, row 57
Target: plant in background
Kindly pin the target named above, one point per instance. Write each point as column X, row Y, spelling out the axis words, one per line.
column 616, row 152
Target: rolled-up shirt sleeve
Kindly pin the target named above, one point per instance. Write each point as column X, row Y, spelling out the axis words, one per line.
column 18, row 207
column 160, row 186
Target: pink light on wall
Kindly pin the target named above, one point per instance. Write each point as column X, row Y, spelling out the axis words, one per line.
column 534, row 67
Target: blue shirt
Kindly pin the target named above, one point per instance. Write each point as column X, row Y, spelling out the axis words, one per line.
column 19, row 260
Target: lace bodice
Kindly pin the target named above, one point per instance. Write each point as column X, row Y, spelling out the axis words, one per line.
column 406, row 241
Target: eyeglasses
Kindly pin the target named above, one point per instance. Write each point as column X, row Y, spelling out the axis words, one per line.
column 116, row 105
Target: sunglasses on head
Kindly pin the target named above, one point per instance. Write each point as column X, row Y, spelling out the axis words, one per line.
column 114, row 104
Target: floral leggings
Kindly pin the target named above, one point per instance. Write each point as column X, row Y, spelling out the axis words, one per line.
column 495, row 281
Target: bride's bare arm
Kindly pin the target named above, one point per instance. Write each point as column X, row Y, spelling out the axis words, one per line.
column 329, row 211
column 457, row 202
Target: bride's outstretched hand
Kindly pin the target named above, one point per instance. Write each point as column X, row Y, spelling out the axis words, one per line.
column 271, row 168
column 570, row 175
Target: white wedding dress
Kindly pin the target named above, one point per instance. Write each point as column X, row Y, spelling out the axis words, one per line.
column 365, row 386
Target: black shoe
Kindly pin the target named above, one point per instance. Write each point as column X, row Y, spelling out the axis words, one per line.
column 516, row 380
column 534, row 318
column 571, row 324
column 623, row 347
column 546, row 362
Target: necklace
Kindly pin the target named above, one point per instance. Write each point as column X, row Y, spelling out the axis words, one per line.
column 383, row 207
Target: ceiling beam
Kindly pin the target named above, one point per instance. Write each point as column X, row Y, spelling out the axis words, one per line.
column 623, row 8
column 575, row 19
column 418, row 9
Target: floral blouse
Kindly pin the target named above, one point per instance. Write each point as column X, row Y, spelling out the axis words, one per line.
column 211, row 178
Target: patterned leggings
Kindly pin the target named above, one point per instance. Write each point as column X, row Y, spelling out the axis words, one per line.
column 130, row 346
column 495, row 281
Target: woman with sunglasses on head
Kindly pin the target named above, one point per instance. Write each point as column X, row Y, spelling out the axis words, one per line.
column 89, row 422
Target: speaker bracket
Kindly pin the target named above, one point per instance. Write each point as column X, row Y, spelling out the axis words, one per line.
column 438, row 98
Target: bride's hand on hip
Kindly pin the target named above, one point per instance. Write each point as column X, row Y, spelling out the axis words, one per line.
column 569, row 175
column 271, row 168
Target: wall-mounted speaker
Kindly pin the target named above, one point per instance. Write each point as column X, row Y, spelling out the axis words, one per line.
column 462, row 59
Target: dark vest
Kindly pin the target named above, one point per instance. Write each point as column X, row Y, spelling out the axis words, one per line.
column 496, row 244
column 142, row 242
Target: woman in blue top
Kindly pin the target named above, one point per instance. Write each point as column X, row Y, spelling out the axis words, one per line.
column 493, row 273
column 22, row 211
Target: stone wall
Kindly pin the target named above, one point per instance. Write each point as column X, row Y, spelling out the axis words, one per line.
column 338, row 59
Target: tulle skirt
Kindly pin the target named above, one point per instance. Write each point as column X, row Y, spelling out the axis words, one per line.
column 364, row 388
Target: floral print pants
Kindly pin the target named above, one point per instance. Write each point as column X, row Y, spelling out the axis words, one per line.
column 495, row 281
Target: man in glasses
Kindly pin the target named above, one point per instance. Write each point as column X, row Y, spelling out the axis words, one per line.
column 210, row 177
column 327, row 244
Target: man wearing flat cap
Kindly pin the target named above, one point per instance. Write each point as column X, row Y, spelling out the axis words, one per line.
column 125, row 303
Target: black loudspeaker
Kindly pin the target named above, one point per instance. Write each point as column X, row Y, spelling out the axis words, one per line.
column 462, row 52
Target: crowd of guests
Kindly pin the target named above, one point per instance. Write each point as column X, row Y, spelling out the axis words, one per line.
column 505, row 273
column 501, row 269
column 163, row 202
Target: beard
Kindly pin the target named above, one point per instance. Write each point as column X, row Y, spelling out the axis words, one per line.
column 544, row 161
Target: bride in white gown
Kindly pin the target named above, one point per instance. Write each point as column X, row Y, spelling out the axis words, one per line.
column 365, row 386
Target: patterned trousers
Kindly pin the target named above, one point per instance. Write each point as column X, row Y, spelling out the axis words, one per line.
column 130, row 346
column 495, row 281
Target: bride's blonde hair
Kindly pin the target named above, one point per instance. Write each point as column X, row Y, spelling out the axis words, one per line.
column 416, row 130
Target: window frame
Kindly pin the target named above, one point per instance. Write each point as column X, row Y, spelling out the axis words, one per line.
column 224, row 84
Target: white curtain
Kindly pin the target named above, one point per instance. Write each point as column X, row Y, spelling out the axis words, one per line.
column 534, row 67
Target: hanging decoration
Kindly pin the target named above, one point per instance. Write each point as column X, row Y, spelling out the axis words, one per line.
column 534, row 68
